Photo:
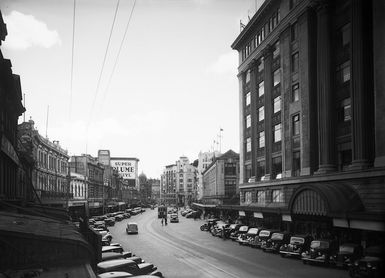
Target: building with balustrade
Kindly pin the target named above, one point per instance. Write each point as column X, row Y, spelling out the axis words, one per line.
column 50, row 174
column 312, row 118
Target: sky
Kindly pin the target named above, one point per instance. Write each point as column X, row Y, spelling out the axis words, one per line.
column 173, row 88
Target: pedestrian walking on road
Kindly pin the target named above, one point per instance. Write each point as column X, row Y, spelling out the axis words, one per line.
column 162, row 221
column 165, row 220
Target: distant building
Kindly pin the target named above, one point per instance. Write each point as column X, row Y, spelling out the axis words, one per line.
column 145, row 189
column 204, row 160
column 50, row 176
column 127, row 167
column 78, row 203
column 312, row 108
column 220, row 180
column 186, row 181
column 155, row 190
column 168, row 194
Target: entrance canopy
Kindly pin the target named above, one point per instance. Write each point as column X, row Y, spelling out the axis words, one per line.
column 325, row 199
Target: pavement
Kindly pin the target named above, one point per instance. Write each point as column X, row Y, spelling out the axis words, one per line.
column 183, row 250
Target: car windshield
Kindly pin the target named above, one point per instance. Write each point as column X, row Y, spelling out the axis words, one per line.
column 319, row 244
column 264, row 234
column 243, row 228
column 296, row 240
column 347, row 248
column 277, row 236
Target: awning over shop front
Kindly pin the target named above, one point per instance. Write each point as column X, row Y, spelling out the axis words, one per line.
column 258, row 215
column 323, row 199
column 242, row 213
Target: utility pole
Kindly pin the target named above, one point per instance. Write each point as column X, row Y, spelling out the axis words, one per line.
column 46, row 124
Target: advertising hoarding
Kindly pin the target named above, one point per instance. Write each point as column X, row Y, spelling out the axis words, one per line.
column 126, row 167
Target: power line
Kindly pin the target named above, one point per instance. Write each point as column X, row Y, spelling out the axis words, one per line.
column 117, row 57
column 104, row 62
column 72, row 59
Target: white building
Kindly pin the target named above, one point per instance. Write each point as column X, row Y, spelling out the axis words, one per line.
column 204, row 160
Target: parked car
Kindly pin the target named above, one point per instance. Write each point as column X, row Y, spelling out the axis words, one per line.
column 218, row 228
column 129, row 266
column 192, row 214
column 174, row 218
column 110, row 221
column 274, row 243
column 347, row 254
column 132, row 228
column 184, row 212
column 119, row 217
column 210, row 222
column 126, row 215
column 244, row 239
column 321, row 250
column 230, row 229
column 297, row 245
column 100, row 225
column 115, row 249
column 370, row 265
column 242, row 230
column 108, row 256
column 262, row 238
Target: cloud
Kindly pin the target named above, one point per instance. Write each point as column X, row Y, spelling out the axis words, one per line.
column 25, row 31
column 226, row 63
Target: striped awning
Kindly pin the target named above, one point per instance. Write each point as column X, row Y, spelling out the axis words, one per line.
column 309, row 202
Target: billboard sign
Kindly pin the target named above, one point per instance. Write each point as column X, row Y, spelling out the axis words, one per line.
column 127, row 168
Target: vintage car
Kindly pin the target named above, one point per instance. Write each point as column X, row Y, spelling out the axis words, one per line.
column 245, row 239
column 370, row 265
column 219, row 229
column 262, row 237
column 110, row 221
column 119, row 217
column 230, row 229
column 347, row 254
column 192, row 214
column 115, row 274
column 321, row 250
column 174, row 218
column 297, row 245
column 100, row 225
column 210, row 222
column 129, row 266
column 115, row 249
column 132, row 228
column 274, row 243
column 108, row 256
column 242, row 230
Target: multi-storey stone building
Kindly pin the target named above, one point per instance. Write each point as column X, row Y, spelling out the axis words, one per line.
column 312, row 117
column 186, row 181
column 50, row 175
column 204, row 160
column 168, row 194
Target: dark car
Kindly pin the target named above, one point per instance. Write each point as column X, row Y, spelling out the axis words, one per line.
column 192, row 214
column 210, row 222
column 274, row 243
column 321, row 250
column 262, row 238
column 347, row 254
column 297, row 245
column 119, row 217
column 110, row 221
column 371, row 265
column 245, row 239
column 129, row 266
column 218, row 229
column 242, row 230
column 230, row 229
column 108, row 256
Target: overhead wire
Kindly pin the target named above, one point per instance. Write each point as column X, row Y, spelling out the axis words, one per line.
column 118, row 55
column 103, row 64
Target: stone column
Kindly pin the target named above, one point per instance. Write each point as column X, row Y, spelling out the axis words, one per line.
column 360, row 85
column 268, row 79
column 379, row 80
column 324, row 91
column 241, row 130
column 253, row 113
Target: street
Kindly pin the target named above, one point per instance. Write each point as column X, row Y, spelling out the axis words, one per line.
column 182, row 250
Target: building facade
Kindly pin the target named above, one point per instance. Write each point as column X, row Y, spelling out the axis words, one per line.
column 204, row 160
column 186, row 181
column 155, row 190
column 50, row 175
column 312, row 117
column 168, row 194
column 11, row 187
column 221, row 180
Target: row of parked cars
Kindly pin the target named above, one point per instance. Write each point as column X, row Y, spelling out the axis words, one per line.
column 115, row 261
column 190, row 213
column 359, row 262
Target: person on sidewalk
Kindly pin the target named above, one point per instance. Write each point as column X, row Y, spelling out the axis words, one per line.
column 162, row 221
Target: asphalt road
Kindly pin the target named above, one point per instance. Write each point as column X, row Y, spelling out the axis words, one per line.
column 182, row 250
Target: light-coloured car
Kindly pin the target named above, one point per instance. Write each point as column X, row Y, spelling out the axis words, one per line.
column 174, row 218
column 132, row 228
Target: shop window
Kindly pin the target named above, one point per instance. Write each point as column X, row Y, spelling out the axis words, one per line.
column 261, row 89
column 248, row 99
column 242, row 197
column 276, row 77
column 261, row 139
column 277, row 167
column 296, row 125
column 296, row 169
column 294, row 31
column 260, row 169
column 248, row 197
column 277, row 196
column 295, row 62
column 261, row 197
column 261, row 113
column 295, row 92
column 277, row 104
column 277, row 133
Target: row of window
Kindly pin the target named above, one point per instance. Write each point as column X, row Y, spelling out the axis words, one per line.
column 78, row 190
column 261, row 34
column 262, row 196
column 51, row 183
column 50, row 162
